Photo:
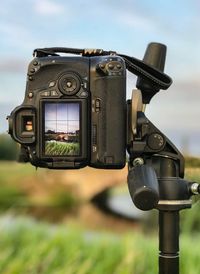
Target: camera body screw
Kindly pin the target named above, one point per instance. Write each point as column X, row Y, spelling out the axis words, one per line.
column 138, row 161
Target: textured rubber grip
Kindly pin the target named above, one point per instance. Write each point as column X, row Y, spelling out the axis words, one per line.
column 155, row 56
column 143, row 187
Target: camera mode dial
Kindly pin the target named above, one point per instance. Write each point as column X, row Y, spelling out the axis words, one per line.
column 69, row 83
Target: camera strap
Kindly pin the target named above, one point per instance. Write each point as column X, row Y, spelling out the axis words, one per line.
column 136, row 66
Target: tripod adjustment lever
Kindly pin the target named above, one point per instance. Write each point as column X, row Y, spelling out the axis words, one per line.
column 143, row 187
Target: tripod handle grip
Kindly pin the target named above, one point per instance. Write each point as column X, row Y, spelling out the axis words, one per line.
column 155, row 56
column 143, row 187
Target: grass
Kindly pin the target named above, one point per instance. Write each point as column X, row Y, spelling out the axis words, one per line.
column 193, row 174
column 16, row 187
column 11, row 191
column 34, row 248
column 12, row 197
column 14, row 178
column 13, row 172
column 38, row 248
column 61, row 148
column 192, row 162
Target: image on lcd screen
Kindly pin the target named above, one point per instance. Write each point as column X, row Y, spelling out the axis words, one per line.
column 62, row 129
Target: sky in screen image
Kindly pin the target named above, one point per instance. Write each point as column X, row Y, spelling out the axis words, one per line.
column 126, row 26
column 62, row 117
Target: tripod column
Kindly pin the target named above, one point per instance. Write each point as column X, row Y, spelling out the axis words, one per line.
column 174, row 196
column 169, row 242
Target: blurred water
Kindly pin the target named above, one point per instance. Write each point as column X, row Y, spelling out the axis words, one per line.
column 122, row 204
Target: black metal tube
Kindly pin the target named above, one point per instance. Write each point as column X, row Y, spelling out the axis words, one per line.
column 143, row 187
column 168, row 218
column 169, row 242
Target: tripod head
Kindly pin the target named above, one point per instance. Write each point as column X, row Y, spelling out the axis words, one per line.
column 156, row 168
column 152, row 156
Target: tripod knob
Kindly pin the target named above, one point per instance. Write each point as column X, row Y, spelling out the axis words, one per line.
column 143, row 187
column 194, row 188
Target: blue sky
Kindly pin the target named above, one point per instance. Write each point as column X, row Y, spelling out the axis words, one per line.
column 62, row 117
column 126, row 26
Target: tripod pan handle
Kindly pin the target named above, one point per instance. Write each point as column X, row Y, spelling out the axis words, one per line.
column 143, row 187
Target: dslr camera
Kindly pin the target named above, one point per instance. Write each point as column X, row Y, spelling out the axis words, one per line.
column 75, row 114
column 74, row 111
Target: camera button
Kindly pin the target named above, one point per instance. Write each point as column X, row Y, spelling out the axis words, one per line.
column 94, row 149
column 119, row 66
column 97, row 105
column 30, row 95
column 110, row 66
column 32, row 70
column 102, row 66
column 54, row 93
column 52, row 84
column 46, row 93
column 85, row 85
column 84, row 94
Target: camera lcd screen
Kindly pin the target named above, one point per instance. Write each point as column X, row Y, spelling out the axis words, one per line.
column 62, row 129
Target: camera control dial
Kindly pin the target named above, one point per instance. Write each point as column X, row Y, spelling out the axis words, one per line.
column 69, row 83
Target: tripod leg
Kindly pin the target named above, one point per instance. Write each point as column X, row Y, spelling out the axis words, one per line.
column 169, row 242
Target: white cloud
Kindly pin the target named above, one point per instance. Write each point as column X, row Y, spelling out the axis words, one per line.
column 47, row 7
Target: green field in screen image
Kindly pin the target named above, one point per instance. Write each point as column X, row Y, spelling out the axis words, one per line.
column 57, row 148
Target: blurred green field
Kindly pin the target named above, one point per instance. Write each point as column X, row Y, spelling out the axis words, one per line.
column 61, row 148
column 29, row 246
column 19, row 182
column 21, row 185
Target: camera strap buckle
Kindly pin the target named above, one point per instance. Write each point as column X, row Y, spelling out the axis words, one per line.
column 97, row 52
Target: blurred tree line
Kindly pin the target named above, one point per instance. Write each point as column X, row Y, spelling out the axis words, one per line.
column 8, row 148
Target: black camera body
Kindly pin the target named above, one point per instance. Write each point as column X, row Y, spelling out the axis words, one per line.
column 73, row 113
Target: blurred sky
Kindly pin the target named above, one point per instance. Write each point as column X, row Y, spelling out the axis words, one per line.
column 126, row 26
column 62, row 117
